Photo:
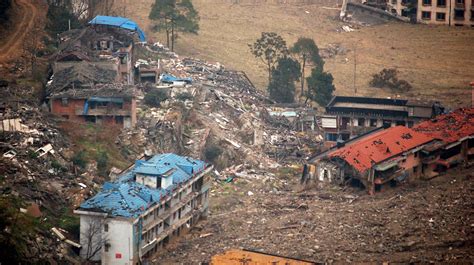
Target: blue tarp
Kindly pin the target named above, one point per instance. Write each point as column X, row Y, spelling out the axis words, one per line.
column 120, row 22
column 165, row 78
column 86, row 107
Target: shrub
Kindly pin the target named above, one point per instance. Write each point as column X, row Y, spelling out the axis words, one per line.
column 56, row 165
column 102, row 162
column 79, row 159
column 212, row 152
column 184, row 96
column 389, row 78
column 155, row 97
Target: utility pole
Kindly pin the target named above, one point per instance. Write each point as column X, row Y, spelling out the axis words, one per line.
column 355, row 68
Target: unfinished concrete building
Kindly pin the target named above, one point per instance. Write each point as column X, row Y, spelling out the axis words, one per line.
column 149, row 205
column 112, row 104
column 447, row 12
column 396, row 154
column 347, row 117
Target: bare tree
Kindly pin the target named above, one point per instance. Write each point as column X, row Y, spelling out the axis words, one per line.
column 93, row 238
column 31, row 46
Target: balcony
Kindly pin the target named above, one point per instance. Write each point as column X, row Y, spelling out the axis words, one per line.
column 104, row 112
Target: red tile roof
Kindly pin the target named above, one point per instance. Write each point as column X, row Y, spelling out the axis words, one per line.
column 450, row 127
column 380, row 146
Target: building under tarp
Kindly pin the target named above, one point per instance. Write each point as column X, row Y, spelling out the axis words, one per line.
column 120, row 22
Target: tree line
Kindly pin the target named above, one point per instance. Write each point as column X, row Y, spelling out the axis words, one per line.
column 286, row 65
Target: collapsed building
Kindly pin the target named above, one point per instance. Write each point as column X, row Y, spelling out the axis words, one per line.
column 393, row 155
column 148, row 206
column 347, row 117
column 107, row 47
column 93, row 73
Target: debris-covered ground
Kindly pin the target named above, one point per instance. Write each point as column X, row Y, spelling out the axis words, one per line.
column 425, row 221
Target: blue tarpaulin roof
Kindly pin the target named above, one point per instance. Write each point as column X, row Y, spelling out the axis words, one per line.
column 165, row 78
column 105, row 99
column 120, row 22
column 127, row 198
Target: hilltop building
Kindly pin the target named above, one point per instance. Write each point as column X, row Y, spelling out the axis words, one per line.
column 155, row 201
column 448, row 12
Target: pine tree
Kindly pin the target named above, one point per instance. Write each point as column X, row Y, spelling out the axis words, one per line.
column 282, row 85
column 307, row 50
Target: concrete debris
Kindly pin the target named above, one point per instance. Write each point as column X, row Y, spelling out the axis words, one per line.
column 44, row 150
column 58, row 233
column 10, row 154
column 332, row 50
column 347, row 28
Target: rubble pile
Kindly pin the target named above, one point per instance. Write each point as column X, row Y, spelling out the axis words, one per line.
column 36, row 169
column 423, row 222
column 222, row 106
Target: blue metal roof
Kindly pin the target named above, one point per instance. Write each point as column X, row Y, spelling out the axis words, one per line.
column 120, row 22
column 129, row 199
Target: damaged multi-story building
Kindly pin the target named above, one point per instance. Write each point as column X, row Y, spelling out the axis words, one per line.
column 107, row 43
column 396, row 154
column 447, row 12
column 347, row 117
column 148, row 206
column 454, row 145
column 93, row 73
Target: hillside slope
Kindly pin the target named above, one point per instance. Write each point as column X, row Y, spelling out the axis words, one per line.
column 435, row 59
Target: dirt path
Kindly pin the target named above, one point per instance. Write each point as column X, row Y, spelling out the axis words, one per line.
column 12, row 47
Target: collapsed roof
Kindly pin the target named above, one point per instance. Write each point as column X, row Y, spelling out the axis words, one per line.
column 82, row 43
column 380, row 146
column 80, row 75
column 101, row 90
column 449, row 128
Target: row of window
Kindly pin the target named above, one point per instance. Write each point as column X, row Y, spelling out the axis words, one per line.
column 441, row 3
column 441, row 16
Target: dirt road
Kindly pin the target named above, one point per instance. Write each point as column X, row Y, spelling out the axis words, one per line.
column 12, row 47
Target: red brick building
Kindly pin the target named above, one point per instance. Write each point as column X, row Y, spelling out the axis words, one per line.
column 103, row 104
